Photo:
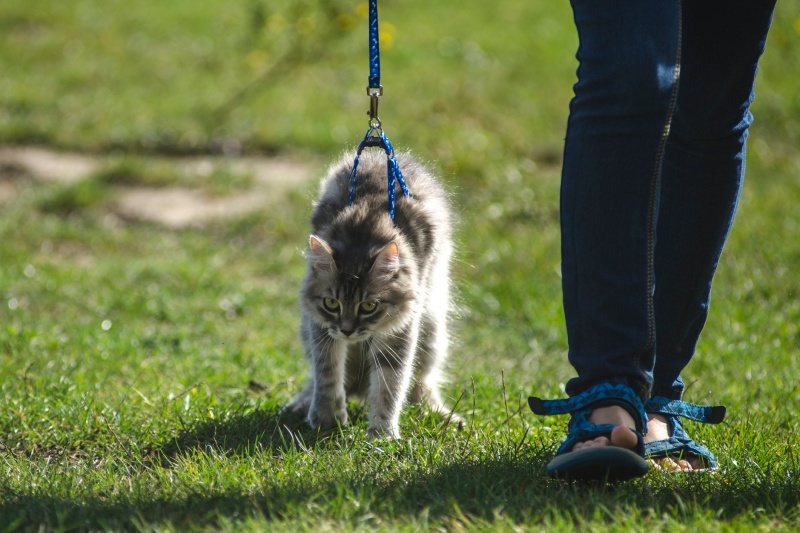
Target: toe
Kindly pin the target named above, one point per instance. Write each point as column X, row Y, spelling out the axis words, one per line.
column 597, row 441
column 665, row 464
column 624, row 437
column 673, row 464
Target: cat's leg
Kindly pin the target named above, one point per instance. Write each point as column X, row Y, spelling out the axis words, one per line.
column 434, row 340
column 323, row 399
column 311, row 336
column 328, row 402
column 302, row 402
column 431, row 355
column 392, row 371
column 431, row 359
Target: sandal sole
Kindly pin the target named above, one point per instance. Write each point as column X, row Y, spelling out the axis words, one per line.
column 601, row 463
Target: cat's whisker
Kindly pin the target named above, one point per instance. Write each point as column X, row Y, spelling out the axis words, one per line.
column 378, row 368
column 387, row 350
column 366, row 346
column 321, row 341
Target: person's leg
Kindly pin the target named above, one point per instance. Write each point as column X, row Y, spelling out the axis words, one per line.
column 623, row 113
column 700, row 185
column 624, row 101
column 616, row 135
column 703, row 171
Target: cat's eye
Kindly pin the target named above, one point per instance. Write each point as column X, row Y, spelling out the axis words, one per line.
column 368, row 307
column 331, row 304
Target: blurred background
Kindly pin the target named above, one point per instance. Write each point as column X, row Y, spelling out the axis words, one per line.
column 477, row 87
column 462, row 82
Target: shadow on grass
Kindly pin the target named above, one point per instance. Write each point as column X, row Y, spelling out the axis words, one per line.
column 519, row 490
column 308, row 501
column 50, row 513
column 482, row 483
column 481, row 490
column 245, row 432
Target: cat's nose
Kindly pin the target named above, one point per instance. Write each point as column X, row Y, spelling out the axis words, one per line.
column 347, row 332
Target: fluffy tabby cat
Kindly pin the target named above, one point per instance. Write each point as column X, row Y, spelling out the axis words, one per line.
column 375, row 298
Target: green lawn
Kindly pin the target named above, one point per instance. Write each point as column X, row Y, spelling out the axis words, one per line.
column 142, row 366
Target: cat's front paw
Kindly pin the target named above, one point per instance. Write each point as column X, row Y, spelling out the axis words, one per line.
column 326, row 417
column 385, row 430
column 299, row 405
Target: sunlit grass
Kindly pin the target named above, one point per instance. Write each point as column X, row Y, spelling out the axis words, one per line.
column 142, row 368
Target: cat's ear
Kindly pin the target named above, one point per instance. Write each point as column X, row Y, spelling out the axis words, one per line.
column 321, row 254
column 387, row 263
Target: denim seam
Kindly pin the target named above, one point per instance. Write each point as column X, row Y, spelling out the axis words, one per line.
column 654, row 185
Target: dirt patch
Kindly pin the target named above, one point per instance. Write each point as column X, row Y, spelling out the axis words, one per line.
column 47, row 165
column 272, row 172
column 178, row 208
column 173, row 207
column 7, row 191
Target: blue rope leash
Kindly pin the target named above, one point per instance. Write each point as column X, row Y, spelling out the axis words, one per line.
column 374, row 48
column 375, row 137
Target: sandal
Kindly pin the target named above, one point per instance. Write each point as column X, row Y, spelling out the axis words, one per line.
column 596, row 463
column 680, row 444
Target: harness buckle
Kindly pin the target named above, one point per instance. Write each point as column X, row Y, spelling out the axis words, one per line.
column 374, row 93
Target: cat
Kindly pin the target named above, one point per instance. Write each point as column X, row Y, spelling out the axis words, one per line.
column 376, row 296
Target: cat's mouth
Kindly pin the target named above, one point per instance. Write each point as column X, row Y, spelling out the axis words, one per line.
column 355, row 336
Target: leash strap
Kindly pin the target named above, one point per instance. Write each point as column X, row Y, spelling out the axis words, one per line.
column 375, row 137
column 374, row 48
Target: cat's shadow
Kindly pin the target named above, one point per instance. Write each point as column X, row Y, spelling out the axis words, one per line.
column 253, row 431
column 472, row 485
column 265, row 430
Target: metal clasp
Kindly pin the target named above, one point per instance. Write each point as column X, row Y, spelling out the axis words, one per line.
column 374, row 93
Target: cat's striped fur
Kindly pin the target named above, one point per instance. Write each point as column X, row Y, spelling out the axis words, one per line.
column 376, row 296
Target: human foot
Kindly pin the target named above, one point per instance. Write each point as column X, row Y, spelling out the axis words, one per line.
column 600, row 444
column 621, row 436
column 667, row 445
column 659, row 429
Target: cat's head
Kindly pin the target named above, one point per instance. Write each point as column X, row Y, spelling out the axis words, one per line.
column 354, row 293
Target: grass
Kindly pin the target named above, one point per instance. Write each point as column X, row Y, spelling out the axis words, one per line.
column 143, row 367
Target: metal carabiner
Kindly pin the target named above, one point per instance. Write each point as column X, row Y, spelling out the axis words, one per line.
column 374, row 93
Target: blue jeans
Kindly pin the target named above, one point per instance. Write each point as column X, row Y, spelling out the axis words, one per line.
column 653, row 167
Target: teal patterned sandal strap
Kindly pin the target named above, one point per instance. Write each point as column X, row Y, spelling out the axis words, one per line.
column 706, row 414
column 678, row 445
column 598, row 396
